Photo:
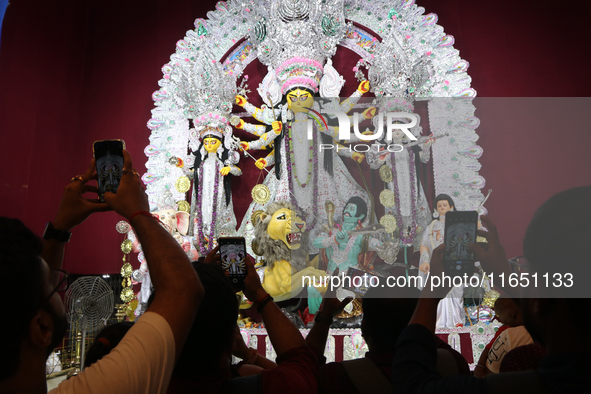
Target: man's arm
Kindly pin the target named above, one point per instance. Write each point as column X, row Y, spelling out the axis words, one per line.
column 318, row 335
column 480, row 371
column 283, row 334
column 177, row 287
column 426, row 311
column 492, row 255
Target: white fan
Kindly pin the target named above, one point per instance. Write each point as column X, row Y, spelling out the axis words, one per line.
column 89, row 303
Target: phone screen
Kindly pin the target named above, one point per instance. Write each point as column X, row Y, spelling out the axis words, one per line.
column 460, row 231
column 360, row 281
column 108, row 155
column 233, row 254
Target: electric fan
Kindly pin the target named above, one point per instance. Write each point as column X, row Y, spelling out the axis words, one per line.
column 89, row 303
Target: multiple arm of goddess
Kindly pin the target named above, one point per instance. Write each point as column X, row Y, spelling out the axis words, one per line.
column 268, row 115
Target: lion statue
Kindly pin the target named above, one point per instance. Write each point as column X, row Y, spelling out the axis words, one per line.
column 281, row 239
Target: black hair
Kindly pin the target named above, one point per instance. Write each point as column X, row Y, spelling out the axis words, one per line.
column 212, row 333
column 199, row 160
column 20, row 273
column 105, row 341
column 557, row 241
column 386, row 312
column 444, row 197
column 361, row 206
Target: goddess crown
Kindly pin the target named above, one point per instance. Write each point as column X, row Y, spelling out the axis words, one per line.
column 296, row 37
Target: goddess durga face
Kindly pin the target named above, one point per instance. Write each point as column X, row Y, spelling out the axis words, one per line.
column 299, row 100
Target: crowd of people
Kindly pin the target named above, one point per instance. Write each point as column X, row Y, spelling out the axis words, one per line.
column 185, row 341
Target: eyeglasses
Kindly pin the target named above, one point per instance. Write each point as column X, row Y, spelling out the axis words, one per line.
column 60, row 279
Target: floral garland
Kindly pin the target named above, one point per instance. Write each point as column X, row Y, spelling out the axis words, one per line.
column 406, row 241
column 310, row 168
column 202, row 249
column 289, row 149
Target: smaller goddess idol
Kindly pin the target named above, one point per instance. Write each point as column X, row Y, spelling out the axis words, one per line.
column 215, row 163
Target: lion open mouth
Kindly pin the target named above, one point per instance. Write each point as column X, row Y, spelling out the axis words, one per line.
column 293, row 238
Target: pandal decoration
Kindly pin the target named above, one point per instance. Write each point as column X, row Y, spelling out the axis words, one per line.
column 386, row 173
column 425, row 65
column 260, row 194
column 389, row 222
column 184, row 206
column 182, row 184
column 402, row 49
column 387, row 198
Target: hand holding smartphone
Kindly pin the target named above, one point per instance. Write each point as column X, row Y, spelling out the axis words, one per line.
column 233, row 254
column 460, row 231
column 360, row 281
column 108, row 155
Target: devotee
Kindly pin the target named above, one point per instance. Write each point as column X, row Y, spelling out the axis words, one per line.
column 508, row 313
column 30, row 270
column 514, row 336
column 204, row 365
column 556, row 242
column 252, row 362
column 386, row 312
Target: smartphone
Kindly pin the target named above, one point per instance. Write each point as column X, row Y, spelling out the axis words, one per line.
column 460, row 231
column 108, row 155
column 360, row 281
column 233, row 254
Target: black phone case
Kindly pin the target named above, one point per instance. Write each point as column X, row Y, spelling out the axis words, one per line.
column 237, row 280
column 460, row 231
column 112, row 177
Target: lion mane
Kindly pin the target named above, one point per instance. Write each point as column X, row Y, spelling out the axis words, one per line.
column 274, row 250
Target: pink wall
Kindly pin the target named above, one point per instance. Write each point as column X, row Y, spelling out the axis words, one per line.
column 73, row 72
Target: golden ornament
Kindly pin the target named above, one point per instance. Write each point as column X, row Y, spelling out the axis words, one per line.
column 389, row 223
column 182, row 184
column 261, row 194
column 480, row 239
column 126, row 270
column 184, row 206
column 387, row 198
column 131, row 307
column 490, row 297
column 127, row 295
column 255, row 215
column 386, row 173
column 126, row 246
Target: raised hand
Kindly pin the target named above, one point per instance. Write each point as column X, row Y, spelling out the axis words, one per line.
column 342, row 234
column 277, row 127
column 492, row 254
column 131, row 196
column 331, row 306
column 241, row 101
column 363, row 87
column 261, row 163
column 424, row 267
column 74, row 208
column 358, row 156
column 370, row 112
column 253, row 290
column 244, row 145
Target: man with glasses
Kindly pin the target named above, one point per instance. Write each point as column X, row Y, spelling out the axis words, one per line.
column 34, row 321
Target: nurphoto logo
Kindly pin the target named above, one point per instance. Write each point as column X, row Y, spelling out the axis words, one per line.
column 398, row 120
